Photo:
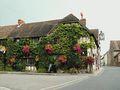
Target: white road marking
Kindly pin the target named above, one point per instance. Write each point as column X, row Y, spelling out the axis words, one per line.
column 55, row 87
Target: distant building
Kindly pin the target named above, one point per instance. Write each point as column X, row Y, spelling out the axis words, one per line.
column 114, row 53
column 105, row 61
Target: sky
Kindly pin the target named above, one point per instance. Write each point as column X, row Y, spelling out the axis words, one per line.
column 100, row 14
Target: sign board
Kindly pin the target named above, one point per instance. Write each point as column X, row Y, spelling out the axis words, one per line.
column 101, row 36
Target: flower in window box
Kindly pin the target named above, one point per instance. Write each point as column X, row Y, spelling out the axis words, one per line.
column 77, row 48
column 26, row 49
column 62, row 58
column 49, row 48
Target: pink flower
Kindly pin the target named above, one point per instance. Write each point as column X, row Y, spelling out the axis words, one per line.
column 77, row 48
column 62, row 58
column 49, row 48
column 90, row 60
column 26, row 49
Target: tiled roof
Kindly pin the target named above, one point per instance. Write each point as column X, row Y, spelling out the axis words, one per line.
column 27, row 30
column 37, row 29
column 70, row 18
column 95, row 32
column 6, row 30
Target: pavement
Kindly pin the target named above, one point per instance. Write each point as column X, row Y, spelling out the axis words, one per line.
column 40, row 81
column 4, row 88
column 34, row 73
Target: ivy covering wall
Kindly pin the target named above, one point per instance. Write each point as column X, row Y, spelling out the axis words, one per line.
column 58, row 48
column 63, row 38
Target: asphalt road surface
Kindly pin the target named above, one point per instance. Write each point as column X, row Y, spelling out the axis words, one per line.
column 37, row 82
column 108, row 80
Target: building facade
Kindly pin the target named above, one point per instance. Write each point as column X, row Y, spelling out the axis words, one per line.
column 41, row 29
column 114, row 53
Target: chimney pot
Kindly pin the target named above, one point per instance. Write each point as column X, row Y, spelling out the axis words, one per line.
column 82, row 20
column 20, row 22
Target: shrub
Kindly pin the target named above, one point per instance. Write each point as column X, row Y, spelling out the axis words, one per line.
column 8, row 68
column 73, row 71
column 41, row 70
column 18, row 66
column 1, row 66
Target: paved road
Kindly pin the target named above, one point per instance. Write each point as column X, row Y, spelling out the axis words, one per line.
column 108, row 80
column 37, row 82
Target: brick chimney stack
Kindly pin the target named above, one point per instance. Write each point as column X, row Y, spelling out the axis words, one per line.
column 20, row 22
column 82, row 20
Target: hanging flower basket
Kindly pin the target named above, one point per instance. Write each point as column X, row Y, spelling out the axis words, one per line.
column 62, row 58
column 26, row 50
column 90, row 60
column 77, row 48
column 49, row 49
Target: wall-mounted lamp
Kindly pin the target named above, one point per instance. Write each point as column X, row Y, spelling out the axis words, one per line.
column 101, row 36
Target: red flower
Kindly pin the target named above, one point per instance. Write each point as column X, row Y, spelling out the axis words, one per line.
column 12, row 59
column 77, row 48
column 90, row 60
column 62, row 58
column 49, row 48
column 26, row 49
